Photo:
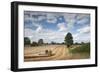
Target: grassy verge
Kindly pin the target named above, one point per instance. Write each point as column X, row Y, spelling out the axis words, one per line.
column 82, row 51
column 85, row 48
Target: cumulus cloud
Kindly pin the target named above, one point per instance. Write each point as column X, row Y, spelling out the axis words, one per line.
column 39, row 16
column 81, row 16
column 70, row 20
column 62, row 27
column 76, row 18
column 39, row 29
column 82, row 35
column 51, row 18
column 28, row 32
column 46, row 34
column 85, row 29
column 83, row 21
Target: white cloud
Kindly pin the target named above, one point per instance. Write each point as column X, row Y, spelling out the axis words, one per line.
column 83, row 35
column 62, row 27
column 39, row 29
column 85, row 29
column 46, row 34
column 81, row 38
column 69, row 15
column 82, row 16
column 70, row 20
column 35, row 16
column 41, row 18
column 82, row 21
column 70, row 23
column 56, row 36
column 28, row 32
column 38, row 16
column 51, row 18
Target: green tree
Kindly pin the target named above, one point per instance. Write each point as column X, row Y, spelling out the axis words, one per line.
column 82, row 43
column 62, row 43
column 27, row 41
column 40, row 41
column 34, row 44
column 53, row 43
column 69, row 39
column 76, row 43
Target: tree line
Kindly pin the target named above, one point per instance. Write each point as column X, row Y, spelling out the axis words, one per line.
column 68, row 41
column 28, row 42
column 40, row 42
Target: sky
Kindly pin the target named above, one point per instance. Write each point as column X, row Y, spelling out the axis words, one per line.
column 53, row 26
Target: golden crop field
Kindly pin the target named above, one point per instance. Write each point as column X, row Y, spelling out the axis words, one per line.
column 58, row 52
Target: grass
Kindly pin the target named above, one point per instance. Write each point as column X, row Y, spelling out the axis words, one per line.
column 84, row 48
column 83, row 51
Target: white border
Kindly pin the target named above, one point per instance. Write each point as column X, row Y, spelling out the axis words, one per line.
column 22, row 64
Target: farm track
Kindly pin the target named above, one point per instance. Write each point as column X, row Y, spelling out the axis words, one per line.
column 60, row 53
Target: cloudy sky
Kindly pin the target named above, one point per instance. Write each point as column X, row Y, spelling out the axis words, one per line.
column 53, row 26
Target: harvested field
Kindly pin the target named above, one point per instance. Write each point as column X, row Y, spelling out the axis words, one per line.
column 38, row 53
column 58, row 52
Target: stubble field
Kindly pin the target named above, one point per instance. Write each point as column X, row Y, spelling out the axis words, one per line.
column 58, row 52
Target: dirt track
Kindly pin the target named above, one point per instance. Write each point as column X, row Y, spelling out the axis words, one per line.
column 60, row 53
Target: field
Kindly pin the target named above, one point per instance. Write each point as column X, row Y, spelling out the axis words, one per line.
column 53, row 52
